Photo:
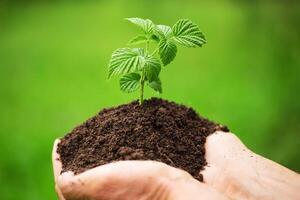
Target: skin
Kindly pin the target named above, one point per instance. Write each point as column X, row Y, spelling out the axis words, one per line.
column 233, row 172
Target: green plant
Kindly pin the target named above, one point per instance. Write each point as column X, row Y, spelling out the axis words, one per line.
column 139, row 65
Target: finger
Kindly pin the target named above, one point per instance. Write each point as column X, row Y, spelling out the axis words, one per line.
column 211, row 174
column 57, row 166
column 227, row 164
column 222, row 147
column 59, row 193
column 119, row 176
column 224, row 152
column 196, row 190
column 129, row 169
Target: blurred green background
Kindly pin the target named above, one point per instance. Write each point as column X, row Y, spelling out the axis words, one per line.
column 53, row 62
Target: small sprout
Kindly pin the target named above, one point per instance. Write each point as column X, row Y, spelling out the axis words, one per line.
column 140, row 65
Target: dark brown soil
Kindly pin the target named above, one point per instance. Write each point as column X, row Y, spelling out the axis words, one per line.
column 158, row 130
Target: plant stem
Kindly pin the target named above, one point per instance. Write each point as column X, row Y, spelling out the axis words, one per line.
column 142, row 87
column 143, row 78
column 154, row 52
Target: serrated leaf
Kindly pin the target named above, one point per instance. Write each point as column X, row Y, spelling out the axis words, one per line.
column 188, row 34
column 152, row 68
column 140, row 39
column 145, row 24
column 125, row 60
column 156, row 85
column 167, row 50
column 163, row 31
column 130, row 82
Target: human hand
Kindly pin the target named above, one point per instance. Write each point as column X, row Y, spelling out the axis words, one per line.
column 239, row 173
column 130, row 180
column 233, row 170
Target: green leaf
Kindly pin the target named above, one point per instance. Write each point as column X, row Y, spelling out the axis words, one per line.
column 188, row 34
column 163, row 31
column 130, row 82
column 140, row 39
column 156, row 85
column 152, row 68
column 145, row 24
column 167, row 50
column 125, row 60
column 154, row 38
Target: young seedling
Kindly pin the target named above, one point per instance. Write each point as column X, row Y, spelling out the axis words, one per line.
column 140, row 65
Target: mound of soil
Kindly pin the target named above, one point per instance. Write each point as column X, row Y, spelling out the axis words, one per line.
column 157, row 130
